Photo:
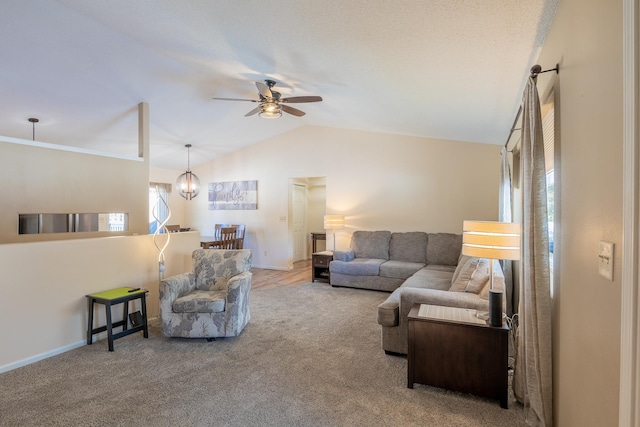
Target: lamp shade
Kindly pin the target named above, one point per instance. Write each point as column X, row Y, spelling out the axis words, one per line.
column 333, row 222
column 491, row 239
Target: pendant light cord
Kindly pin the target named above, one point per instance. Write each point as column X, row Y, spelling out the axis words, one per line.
column 33, row 121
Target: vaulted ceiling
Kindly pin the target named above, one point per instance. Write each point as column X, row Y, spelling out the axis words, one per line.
column 451, row 69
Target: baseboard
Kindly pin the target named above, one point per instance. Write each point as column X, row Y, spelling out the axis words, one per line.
column 41, row 356
column 38, row 357
column 271, row 267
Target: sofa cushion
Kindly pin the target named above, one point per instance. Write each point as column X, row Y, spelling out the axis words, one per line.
column 409, row 247
column 447, row 268
column 358, row 267
column 443, row 248
column 371, row 244
column 200, row 302
column 430, row 279
column 399, row 269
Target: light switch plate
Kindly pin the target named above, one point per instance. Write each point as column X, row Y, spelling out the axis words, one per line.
column 605, row 259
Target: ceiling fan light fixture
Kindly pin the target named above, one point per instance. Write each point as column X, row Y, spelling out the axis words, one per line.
column 270, row 110
column 270, row 107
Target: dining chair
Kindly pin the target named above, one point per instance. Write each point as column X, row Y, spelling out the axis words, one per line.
column 240, row 229
column 219, row 227
column 227, row 238
column 172, row 228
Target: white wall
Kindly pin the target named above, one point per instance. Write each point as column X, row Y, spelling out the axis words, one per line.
column 43, row 309
column 378, row 181
column 36, row 179
column 586, row 39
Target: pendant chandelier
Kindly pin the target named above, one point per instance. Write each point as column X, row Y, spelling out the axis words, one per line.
column 188, row 183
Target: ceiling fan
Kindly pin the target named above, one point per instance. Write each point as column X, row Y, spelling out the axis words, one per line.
column 271, row 102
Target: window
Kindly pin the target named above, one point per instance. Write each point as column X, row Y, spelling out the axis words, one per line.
column 549, row 147
column 158, row 205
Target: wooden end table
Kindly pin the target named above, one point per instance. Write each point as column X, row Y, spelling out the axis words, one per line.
column 452, row 348
column 113, row 297
column 320, row 266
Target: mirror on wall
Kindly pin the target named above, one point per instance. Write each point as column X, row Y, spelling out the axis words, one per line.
column 72, row 222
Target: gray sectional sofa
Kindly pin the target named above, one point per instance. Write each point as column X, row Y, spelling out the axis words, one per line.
column 416, row 267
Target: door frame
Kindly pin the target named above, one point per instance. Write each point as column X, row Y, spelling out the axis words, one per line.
column 629, row 327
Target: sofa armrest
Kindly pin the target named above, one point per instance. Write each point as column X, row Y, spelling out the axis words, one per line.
column 410, row 296
column 389, row 309
column 347, row 255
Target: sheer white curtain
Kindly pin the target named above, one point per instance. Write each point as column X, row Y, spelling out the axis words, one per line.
column 532, row 382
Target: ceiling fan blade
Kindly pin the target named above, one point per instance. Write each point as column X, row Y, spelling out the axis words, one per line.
column 264, row 90
column 235, row 99
column 292, row 110
column 298, row 99
column 252, row 112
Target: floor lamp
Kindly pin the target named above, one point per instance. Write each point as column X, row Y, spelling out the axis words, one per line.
column 492, row 240
column 333, row 222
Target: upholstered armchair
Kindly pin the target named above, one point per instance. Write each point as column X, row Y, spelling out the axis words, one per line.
column 210, row 302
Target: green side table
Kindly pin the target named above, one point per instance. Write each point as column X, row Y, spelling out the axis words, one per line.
column 113, row 297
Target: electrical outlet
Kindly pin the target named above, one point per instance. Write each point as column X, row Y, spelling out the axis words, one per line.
column 265, row 253
column 283, row 218
column 605, row 259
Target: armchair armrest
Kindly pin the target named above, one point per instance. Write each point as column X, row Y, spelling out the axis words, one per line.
column 239, row 286
column 347, row 255
column 237, row 312
column 173, row 288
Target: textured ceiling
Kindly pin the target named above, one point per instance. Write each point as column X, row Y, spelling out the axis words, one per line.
column 451, row 69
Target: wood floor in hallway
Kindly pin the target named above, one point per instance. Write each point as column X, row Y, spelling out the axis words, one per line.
column 268, row 279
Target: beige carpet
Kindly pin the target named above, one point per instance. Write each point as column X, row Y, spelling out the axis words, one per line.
column 310, row 356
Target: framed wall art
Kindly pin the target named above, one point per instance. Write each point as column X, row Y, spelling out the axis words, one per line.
column 233, row 195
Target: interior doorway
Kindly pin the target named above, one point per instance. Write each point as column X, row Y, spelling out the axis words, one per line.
column 307, row 206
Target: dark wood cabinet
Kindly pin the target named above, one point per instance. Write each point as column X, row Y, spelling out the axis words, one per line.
column 452, row 348
column 320, row 266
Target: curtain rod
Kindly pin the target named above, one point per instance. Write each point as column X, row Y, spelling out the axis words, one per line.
column 535, row 70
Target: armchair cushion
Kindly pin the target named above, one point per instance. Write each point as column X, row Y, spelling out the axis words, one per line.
column 213, row 269
column 200, row 302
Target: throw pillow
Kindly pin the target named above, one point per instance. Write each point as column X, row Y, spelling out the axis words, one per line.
column 479, row 278
column 461, row 263
column 462, row 278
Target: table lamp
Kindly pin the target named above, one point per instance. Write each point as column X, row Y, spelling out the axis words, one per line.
column 492, row 240
column 333, row 222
